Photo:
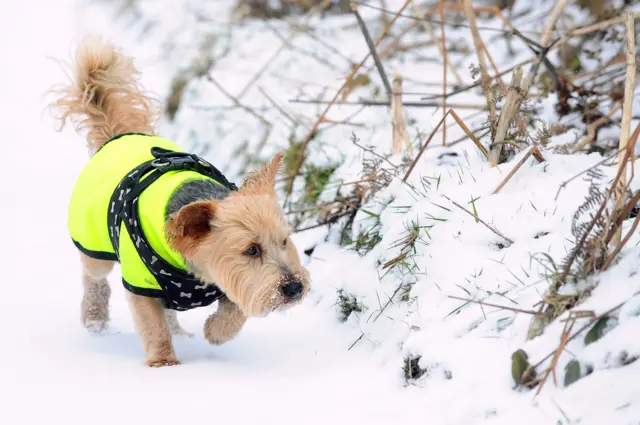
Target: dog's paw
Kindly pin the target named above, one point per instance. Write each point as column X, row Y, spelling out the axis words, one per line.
column 217, row 340
column 95, row 326
column 218, row 331
column 162, row 362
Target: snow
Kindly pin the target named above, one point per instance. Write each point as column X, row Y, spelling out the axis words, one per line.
column 305, row 365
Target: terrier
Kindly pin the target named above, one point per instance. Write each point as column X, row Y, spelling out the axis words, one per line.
column 183, row 235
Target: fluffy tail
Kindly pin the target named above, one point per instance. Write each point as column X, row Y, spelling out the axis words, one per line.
column 105, row 99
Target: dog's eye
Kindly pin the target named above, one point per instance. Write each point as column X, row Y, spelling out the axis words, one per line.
column 253, row 251
column 284, row 243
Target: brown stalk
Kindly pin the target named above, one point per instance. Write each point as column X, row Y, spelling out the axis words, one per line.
column 517, row 167
column 564, row 340
column 400, row 133
column 601, row 25
column 443, row 51
column 558, row 8
column 591, row 128
column 477, row 41
column 507, row 114
column 426, row 143
column 444, row 75
column 623, row 242
column 629, row 87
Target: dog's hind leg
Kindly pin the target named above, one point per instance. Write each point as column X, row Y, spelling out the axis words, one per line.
column 151, row 323
column 95, row 300
column 174, row 325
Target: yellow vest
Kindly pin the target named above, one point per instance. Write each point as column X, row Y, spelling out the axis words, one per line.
column 87, row 213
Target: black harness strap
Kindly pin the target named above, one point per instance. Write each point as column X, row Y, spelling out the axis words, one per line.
column 181, row 290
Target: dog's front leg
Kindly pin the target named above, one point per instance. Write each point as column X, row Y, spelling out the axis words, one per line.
column 150, row 321
column 225, row 324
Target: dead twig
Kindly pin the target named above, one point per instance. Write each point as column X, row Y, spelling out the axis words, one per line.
column 426, row 143
column 558, row 8
column 355, row 140
column 517, row 167
column 501, row 307
column 564, row 340
column 600, row 25
column 443, row 51
column 486, row 87
column 444, row 74
column 624, row 241
column 493, row 229
column 365, row 102
column 400, row 133
column 507, row 115
column 597, row 164
column 372, row 50
column 594, row 126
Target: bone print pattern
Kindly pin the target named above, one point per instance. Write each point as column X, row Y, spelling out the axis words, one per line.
column 180, row 289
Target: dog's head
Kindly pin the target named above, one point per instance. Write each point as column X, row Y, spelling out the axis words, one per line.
column 243, row 244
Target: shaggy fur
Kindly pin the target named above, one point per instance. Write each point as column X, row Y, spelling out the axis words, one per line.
column 238, row 240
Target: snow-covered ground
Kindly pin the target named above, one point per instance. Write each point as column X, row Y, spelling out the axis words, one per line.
column 298, row 367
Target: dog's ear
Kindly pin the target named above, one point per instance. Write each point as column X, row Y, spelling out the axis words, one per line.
column 263, row 180
column 187, row 227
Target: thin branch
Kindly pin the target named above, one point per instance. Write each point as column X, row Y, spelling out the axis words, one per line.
column 366, row 102
column 372, row 50
column 600, row 25
column 433, row 133
column 518, row 310
column 444, row 74
column 624, row 241
column 355, row 140
column 597, row 164
column 471, row 17
column 517, row 167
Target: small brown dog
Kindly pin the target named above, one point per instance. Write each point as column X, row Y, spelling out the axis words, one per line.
column 190, row 237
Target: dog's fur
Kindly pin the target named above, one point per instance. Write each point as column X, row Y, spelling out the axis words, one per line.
column 211, row 228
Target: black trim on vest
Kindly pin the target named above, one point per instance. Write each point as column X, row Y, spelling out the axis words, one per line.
column 143, row 292
column 122, row 135
column 98, row 255
column 181, row 290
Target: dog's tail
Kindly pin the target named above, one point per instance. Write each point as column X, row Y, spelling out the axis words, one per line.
column 105, row 98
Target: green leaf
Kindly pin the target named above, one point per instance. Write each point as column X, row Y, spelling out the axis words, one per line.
column 572, row 372
column 601, row 327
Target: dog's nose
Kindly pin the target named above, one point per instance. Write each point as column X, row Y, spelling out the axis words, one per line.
column 292, row 290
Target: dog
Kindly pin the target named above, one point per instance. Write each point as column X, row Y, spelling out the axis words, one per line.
column 190, row 236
